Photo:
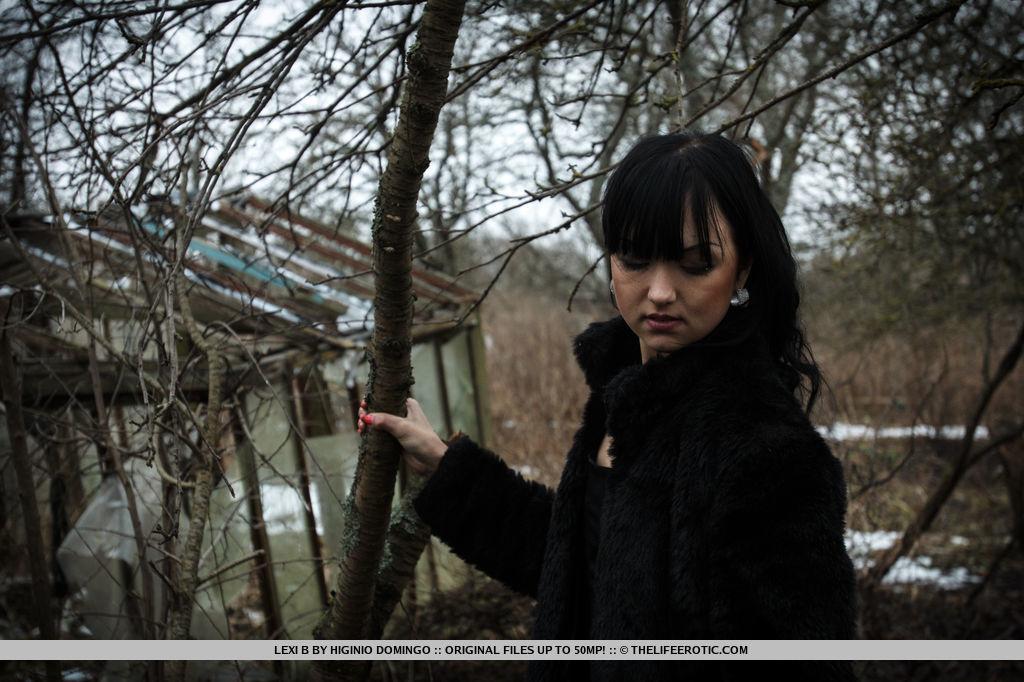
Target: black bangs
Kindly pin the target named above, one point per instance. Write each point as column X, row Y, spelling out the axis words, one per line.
column 647, row 199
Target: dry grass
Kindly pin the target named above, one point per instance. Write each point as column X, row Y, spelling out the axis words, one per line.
column 931, row 375
column 537, row 390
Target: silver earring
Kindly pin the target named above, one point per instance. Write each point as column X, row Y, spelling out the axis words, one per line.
column 611, row 292
column 740, row 298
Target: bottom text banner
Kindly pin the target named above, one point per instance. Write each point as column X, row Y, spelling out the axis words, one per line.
column 239, row 650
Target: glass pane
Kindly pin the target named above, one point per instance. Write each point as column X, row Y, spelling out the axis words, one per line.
column 459, row 380
column 427, row 389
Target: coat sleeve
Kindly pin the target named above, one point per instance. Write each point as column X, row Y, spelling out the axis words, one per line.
column 779, row 568
column 488, row 514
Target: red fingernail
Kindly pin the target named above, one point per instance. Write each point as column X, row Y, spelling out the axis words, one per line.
column 368, row 418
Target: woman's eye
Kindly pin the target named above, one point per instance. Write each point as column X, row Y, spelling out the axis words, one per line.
column 698, row 268
column 633, row 264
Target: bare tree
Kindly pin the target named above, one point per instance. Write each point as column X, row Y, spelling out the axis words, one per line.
column 369, row 503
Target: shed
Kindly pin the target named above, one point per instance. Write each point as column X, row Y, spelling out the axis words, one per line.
column 295, row 296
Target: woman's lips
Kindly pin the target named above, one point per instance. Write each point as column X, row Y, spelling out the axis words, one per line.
column 661, row 323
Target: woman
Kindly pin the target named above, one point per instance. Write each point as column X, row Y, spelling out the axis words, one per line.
column 697, row 500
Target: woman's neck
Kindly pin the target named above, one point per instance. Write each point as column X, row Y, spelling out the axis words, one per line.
column 646, row 353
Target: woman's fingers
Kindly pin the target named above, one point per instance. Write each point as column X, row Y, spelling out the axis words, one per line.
column 414, row 410
column 420, row 443
column 413, row 430
column 382, row 420
column 397, row 426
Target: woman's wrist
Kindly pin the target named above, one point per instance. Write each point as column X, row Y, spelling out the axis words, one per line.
column 440, row 448
column 443, row 446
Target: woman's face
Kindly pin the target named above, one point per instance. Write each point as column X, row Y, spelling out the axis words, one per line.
column 696, row 296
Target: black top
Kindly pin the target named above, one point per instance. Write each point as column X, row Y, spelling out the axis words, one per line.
column 597, row 481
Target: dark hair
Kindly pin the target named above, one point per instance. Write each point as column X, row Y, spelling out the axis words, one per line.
column 664, row 178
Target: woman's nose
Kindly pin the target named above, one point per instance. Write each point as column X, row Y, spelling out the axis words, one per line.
column 661, row 287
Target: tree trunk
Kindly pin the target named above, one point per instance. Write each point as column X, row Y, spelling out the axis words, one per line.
column 368, row 506
column 19, row 172
column 407, row 536
column 181, row 612
column 1012, row 457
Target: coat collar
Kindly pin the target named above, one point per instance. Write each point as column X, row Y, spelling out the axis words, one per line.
column 606, row 348
column 608, row 352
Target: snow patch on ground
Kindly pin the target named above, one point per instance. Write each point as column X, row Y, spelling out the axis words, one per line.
column 841, row 431
column 907, row 570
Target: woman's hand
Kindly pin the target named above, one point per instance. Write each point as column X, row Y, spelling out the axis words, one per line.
column 423, row 448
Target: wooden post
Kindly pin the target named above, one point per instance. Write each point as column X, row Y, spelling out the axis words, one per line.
column 478, row 368
column 10, row 386
column 442, row 382
column 299, row 438
column 258, row 534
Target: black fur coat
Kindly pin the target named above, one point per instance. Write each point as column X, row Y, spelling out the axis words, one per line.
column 723, row 518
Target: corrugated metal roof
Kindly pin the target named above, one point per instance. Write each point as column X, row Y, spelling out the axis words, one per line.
column 263, row 268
